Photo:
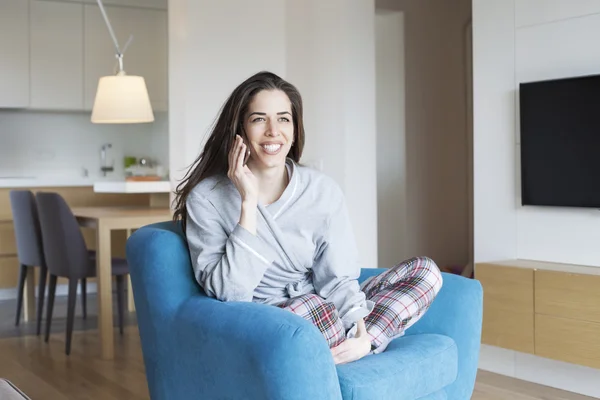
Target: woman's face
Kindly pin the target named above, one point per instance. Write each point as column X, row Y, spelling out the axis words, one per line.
column 269, row 129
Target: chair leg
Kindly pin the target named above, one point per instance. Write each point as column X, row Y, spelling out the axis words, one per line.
column 71, row 313
column 22, row 277
column 121, row 299
column 41, row 296
column 50, row 306
column 84, row 297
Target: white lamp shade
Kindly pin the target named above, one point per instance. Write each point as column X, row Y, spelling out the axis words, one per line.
column 122, row 99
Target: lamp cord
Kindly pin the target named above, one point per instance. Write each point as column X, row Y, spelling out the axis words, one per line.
column 120, row 53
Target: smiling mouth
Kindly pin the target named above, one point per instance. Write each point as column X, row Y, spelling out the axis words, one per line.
column 271, row 149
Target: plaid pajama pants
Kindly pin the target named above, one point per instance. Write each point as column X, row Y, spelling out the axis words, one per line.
column 401, row 294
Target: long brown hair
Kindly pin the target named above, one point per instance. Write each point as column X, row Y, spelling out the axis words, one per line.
column 213, row 159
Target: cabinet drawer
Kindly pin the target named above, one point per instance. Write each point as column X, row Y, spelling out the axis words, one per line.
column 568, row 340
column 567, row 295
column 5, row 210
column 8, row 244
column 9, row 272
column 508, row 316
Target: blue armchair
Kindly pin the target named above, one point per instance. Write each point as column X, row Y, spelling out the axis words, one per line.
column 196, row 347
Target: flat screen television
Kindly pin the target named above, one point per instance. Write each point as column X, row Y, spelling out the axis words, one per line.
column 560, row 142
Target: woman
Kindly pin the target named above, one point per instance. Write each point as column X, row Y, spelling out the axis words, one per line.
column 263, row 228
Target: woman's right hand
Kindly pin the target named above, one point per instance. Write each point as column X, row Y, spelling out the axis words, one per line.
column 239, row 173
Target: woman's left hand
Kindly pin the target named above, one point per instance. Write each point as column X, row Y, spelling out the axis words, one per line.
column 351, row 350
column 354, row 348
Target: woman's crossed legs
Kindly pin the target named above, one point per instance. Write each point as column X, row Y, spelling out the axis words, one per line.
column 401, row 294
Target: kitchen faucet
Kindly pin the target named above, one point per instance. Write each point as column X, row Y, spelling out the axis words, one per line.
column 104, row 167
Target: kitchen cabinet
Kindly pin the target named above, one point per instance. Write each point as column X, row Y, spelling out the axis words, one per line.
column 14, row 53
column 146, row 56
column 157, row 4
column 56, row 55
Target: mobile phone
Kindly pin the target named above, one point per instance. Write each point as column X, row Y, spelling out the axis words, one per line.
column 245, row 140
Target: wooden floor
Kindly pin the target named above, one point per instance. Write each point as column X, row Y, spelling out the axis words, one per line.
column 59, row 319
column 497, row 387
column 43, row 371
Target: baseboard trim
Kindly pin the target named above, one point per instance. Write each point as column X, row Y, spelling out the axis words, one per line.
column 543, row 371
column 61, row 290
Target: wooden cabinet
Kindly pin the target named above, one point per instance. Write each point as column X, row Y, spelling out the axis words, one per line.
column 547, row 309
column 567, row 317
column 9, row 272
column 568, row 295
column 508, row 311
column 146, row 56
column 54, row 52
column 570, row 340
column 14, row 54
column 8, row 244
column 157, row 4
column 56, row 55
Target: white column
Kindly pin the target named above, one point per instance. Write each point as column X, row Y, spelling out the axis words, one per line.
column 214, row 46
column 325, row 48
column 330, row 49
column 391, row 139
column 494, row 154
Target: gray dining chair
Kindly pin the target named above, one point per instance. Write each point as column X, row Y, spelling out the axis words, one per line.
column 29, row 248
column 67, row 256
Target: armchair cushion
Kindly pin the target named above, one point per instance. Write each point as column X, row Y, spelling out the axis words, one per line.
column 398, row 372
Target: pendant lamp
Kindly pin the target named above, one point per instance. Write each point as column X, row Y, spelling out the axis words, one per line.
column 121, row 98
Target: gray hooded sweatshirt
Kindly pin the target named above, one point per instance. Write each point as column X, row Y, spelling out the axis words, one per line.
column 303, row 244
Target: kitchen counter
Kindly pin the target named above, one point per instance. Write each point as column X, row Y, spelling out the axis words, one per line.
column 100, row 185
column 132, row 187
column 34, row 182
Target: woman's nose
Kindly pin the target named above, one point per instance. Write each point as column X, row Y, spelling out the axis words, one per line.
column 273, row 128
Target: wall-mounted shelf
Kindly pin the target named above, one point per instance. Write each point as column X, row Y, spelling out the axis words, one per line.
column 548, row 309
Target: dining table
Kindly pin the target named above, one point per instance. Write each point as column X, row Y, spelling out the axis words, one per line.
column 105, row 220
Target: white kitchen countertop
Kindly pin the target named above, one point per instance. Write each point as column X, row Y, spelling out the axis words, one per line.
column 132, row 187
column 34, row 182
column 100, row 184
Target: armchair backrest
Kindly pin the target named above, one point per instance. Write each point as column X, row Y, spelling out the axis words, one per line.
column 162, row 280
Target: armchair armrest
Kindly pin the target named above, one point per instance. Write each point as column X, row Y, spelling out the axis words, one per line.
column 196, row 346
column 457, row 312
column 252, row 351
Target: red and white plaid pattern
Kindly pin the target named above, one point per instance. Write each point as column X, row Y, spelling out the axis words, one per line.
column 322, row 314
column 401, row 294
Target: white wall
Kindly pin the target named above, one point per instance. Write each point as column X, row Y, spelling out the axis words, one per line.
column 333, row 66
column 561, row 45
column 214, row 46
column 437, row 157
column 391, row 138
column 517, row 41
column 53, row 144
column 495, row 219
column 332, row 63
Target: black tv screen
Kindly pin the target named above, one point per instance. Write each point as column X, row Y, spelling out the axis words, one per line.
column 560, row 142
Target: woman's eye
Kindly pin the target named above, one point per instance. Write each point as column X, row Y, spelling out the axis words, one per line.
column 284, row 119
column 258, row 119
